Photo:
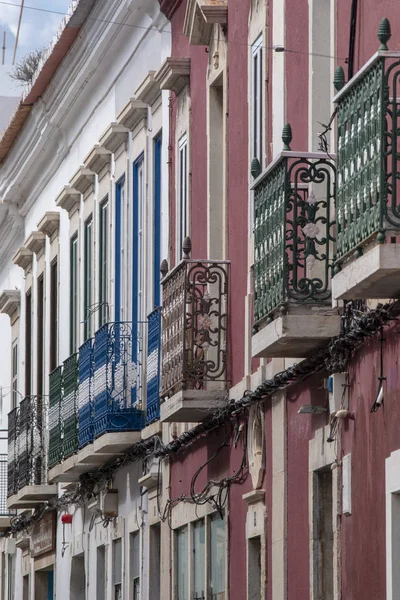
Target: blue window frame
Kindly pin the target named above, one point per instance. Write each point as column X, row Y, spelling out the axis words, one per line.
column 119, row 248
column 157, row 220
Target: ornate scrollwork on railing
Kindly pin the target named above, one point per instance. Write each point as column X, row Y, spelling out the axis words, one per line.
column 28, row 447
column 293, row 232
column 368, row 193
column 195, row 313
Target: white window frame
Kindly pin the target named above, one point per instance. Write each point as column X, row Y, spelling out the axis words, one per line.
column 134, row 565
column 182, row 204
column 14, row 373
column 257, row 100
column 190, row 529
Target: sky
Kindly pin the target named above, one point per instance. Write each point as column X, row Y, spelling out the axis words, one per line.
column 37, row 26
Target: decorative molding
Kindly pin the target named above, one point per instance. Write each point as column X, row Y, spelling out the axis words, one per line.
column 10, row 301
column 23, row 258
column 69, row 199
column 114, row 137
column 132, row 114
column 83, row 179
column 149, row 90
column 214, row 11
column 96, row 160
column 50, row 223
column 35, row 242
column 174, row 74
column 195, row 26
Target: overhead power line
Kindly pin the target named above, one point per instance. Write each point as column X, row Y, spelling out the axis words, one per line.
column 277, row 48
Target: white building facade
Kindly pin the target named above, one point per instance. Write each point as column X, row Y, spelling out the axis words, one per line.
column 83, row 224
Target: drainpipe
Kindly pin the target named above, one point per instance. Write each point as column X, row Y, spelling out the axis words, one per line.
column 353, row 28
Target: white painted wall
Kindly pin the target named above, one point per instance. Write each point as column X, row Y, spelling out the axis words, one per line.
column 95, row 81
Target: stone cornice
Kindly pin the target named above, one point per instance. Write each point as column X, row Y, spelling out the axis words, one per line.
column 174, row 74
column 114, row 136
column 97, row 159
column 69, row 199
column 82, row 179
column 132, row 114
column 149, row 90
column 35, row 242
column 50, row 223
column 23, row 258
column 10, row 301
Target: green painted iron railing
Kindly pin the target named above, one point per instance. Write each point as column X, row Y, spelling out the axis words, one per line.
column 63, row 411
column 368, row 126
column 69, row 406
column 293, row 231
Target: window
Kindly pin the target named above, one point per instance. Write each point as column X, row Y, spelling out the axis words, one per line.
column 88, row 278
column 138, row 248
column 119, row 248
column 101, row 573
column 40, row 334
column 206, row 560
column 14, row 382
column 25, row 588
column 217, row 558
column 199, row 560
column 182, row 575
column 323, row 534
column 103, row 263
column 155, row 561
column 257, row 101
column 157, row 220
column 117, row 569
column 134, row 561
column 182, row 216
column 74, row 323
column 77, row 583
column 11, row 575
column 53, row 314
column 28, row 342
column 254, row 568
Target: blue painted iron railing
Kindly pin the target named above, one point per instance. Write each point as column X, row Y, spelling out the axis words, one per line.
column 115, row 379
column 153, row 366
column 85, row 405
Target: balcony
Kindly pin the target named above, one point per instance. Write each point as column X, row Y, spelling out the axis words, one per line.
column 368, row 181
column 95, row 400
column 194, row 338
column 27, row 454
column 5, row 514
column 294, row 235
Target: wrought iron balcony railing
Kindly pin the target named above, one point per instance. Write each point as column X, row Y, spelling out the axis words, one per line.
column 117, row 379
column 4, row 483
column 368, row 174
column 27, row 444
column 194, row 318
column 98, row 390
column 293, row 231
column 153, row 366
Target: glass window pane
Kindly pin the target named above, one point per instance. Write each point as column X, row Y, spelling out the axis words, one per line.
column 117, row 561
column 217, row 549
column 182, row 573
column 199, row 554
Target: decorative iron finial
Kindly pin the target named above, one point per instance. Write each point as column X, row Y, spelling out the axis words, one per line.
column 164, row 268
column 287, row 136
column 384, row 33
column 255, row 168
column 187, row 247
column 338, row 80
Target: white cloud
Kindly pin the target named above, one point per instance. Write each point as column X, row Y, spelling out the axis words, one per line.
column 37, row 26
